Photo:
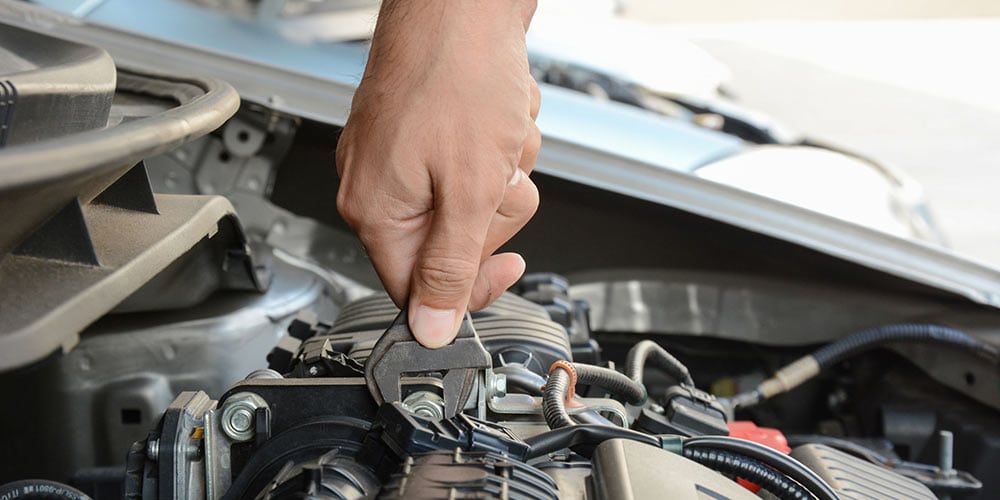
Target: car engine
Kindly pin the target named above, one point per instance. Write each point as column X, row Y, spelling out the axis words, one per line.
column 548, row 419
column 184, row 315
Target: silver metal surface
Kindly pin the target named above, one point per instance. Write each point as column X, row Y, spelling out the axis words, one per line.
column 135, row 364
column 738, row 306
column 218, row 477
column 237, row 420
column 946, row 450
column 263, row 373
column 187, row 462
column 496, row 384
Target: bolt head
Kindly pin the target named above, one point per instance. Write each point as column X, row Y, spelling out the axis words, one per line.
column 238, row 415
column 241, row 420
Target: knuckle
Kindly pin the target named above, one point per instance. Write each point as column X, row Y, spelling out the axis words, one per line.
column 445, row 277
column 348, row 209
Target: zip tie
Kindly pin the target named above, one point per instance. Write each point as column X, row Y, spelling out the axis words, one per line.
column 571, row 370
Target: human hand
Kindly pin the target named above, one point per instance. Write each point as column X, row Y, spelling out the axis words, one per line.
column 435, row 156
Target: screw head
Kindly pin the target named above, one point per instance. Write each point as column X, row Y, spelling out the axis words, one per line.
column 241, row 420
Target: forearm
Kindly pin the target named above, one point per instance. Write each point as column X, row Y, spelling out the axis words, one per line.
column 412, row 34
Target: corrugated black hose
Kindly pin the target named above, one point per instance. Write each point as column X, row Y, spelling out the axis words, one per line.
column 554, row 400
column 615, row 382
column 774, row 459
column 750, row 470
column 558, row 387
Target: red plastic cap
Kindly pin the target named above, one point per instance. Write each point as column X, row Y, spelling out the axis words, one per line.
column 772, row 438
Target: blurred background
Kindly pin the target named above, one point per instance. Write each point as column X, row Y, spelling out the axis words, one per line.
column 906, row 86
column 910, row 82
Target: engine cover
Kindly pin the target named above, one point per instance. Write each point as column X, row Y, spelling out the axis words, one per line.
column 514, row 330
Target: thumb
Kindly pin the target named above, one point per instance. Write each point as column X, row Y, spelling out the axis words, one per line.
column 447, row 265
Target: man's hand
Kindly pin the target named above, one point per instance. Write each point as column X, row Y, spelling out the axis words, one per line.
column 435, row 156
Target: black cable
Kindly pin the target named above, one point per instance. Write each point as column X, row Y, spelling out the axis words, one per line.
column 749, row 469
column 809, row 366
column 871, row 338
column 649, row 351
column 613, row 381
column 582, row 436
column 770, row 457
column 41, row 489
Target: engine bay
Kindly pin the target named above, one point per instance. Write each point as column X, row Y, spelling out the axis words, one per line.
column 549, row 419
column 186, row 316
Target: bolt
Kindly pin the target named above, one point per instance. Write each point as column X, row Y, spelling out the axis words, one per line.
column 153, row 449
column 499, row 385
column 241, row 420
column 238, row 414
column 946, row 447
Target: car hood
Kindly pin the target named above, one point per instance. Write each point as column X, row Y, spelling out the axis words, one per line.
column 317, row 82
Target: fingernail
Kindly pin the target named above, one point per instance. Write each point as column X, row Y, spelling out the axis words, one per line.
column 433, row 327
column 517, row 176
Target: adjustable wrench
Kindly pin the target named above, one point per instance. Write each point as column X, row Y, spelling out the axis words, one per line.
column 398, row 354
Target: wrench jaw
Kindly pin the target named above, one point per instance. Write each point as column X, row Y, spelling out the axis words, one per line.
column 397, row 354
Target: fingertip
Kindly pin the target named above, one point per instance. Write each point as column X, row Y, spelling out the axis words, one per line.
column 496, row 275
column 433, row 328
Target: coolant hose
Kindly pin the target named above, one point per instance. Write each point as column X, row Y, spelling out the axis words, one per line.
column 808, row 367
column 613, row 381
column 560, row 386
column 649, row 351
column 772, row 458
column 554, row 400
column 750, row 470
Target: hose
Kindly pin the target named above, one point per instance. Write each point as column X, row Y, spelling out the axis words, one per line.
column 583, row 435
column 519, row 377
column 563, row 377
column 41, row 489
column 529, row 382
column 750, row 470
column 613, row 381
column 808, row 367
column 647, row 350
column 554, row 400
column 866, row 340
column 772, row 458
